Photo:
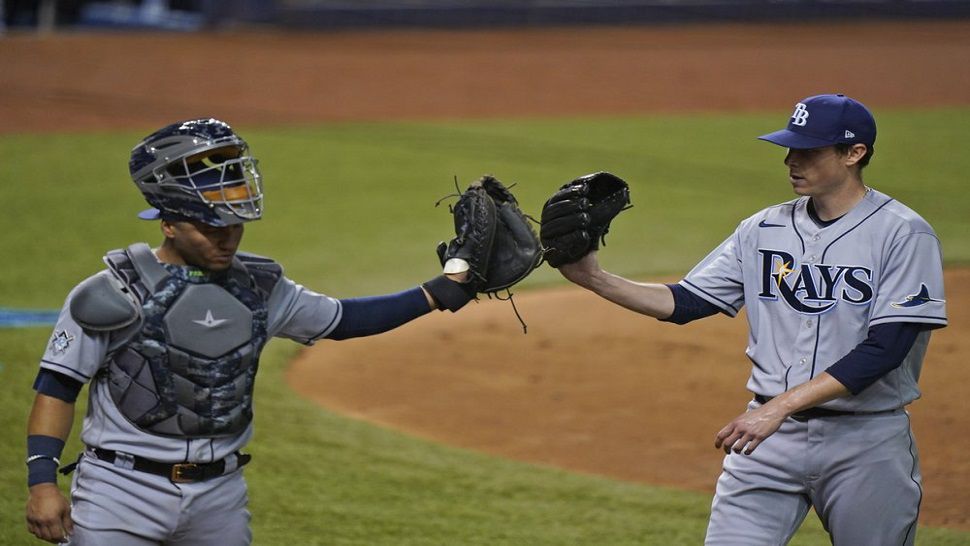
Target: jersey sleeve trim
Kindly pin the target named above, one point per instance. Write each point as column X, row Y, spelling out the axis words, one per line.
column 329, row 328
column 62, row 369
column 714, row 300
column 938, row 322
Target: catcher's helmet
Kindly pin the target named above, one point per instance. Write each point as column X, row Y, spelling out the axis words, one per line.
column 198, row 169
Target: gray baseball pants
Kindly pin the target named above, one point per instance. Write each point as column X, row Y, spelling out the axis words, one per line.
column 860, row 473
column 124, row 507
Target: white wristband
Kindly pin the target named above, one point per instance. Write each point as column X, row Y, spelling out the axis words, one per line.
column 33, row 458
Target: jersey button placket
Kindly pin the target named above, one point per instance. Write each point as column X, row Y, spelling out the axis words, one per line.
column 811, row 250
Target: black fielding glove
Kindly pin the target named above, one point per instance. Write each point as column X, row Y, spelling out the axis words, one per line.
column 576, row 219
column 494, row 240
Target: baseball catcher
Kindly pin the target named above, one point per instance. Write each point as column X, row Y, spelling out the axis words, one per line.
column 494, row 241
column 576, row 218
column 170, row 340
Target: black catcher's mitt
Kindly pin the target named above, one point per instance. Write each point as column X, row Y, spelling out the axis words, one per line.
column 576, row 218
column 493, row 237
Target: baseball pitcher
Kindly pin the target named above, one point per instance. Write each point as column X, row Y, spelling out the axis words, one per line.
column 843, row 286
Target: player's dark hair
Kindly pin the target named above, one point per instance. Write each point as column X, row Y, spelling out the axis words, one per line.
column 843, row 149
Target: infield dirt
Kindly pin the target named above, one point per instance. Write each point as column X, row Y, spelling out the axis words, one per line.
column 634, row 399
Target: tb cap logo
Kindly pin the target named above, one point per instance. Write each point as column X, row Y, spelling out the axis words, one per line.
column 826, row 120
column 800, row 116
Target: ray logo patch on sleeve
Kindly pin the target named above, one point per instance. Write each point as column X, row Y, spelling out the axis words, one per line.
column 920, row 298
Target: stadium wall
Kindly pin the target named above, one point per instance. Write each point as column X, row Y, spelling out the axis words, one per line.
column 471, row 13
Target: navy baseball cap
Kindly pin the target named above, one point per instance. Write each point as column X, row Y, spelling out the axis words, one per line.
column 826, row 120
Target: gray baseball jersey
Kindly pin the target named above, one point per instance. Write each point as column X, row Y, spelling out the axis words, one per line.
column 294, row 312
column 812, row 292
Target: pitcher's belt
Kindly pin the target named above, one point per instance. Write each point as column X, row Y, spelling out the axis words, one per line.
column 177, row 472
column 814, row 413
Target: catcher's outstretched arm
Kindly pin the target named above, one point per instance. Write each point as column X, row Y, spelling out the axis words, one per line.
column 367, row 316
column 651, row 299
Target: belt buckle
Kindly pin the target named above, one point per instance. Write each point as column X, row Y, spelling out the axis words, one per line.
column 179, row 471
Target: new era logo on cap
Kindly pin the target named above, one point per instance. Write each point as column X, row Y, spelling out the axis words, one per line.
column 824, row 120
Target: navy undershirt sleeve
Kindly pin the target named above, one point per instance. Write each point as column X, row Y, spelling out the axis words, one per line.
column 882, row 352
column 689, row 306
column 57, row 385
column 375, row 314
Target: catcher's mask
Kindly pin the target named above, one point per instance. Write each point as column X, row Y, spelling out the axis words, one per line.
column 200, row 170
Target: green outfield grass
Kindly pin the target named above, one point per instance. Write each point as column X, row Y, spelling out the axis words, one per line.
column 350, row 211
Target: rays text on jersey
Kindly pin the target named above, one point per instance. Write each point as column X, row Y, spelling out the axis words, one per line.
column 812, row 288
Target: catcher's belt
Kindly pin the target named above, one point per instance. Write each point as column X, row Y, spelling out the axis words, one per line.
column 177, row 472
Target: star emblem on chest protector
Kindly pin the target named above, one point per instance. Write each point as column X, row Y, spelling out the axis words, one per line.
column 209, row 321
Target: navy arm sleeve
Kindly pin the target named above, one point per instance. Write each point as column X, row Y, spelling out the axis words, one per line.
column 689, row 306
column 882, row 352
column 375, row 314
column 57, row 385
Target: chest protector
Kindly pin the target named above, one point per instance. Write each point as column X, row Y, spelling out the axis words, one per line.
column 189, row 370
